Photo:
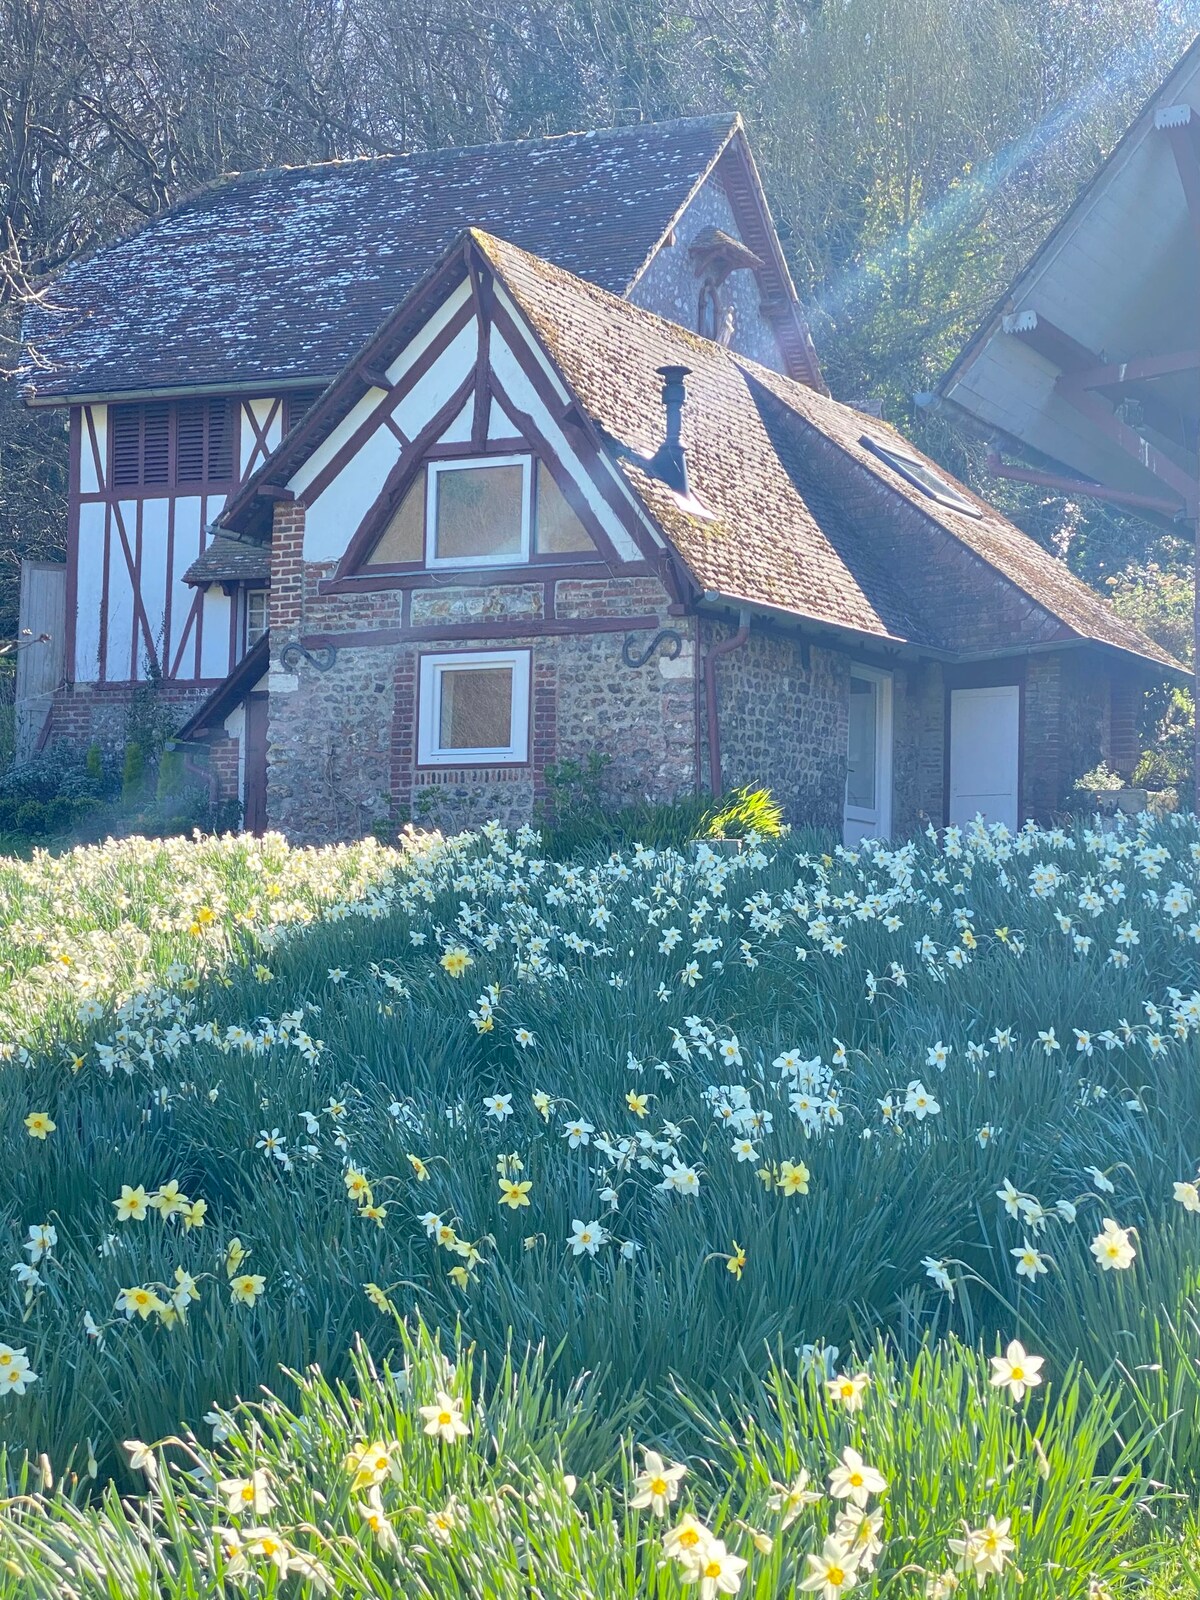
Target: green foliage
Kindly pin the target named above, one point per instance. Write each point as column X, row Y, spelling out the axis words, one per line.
column 581, row 815
column 259, row 1025
column 94, row 762
column 133, row 774
column 537, row 1496
column 742, row 813
column 172, row 778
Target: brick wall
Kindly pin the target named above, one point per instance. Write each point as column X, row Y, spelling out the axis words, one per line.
column 223, row 756
column 83, row 713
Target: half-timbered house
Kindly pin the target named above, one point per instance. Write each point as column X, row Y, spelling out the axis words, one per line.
column 578, row 489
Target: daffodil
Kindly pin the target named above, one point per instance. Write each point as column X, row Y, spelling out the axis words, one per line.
column 1112, row 1247
column 39, row 1124
column 853, row 1480
column 657, row 1485
column 1016, row 1370
column 444, row 1419
column 132, row 1204
column 831, row 1572
column 246, row 1288
column 793, row 1178
column 247, row 1496
column 848, row 1392
column 514, row 1195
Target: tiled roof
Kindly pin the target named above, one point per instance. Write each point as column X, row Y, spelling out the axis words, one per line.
column 228, row 558
column 282, row 275
column 767, row 543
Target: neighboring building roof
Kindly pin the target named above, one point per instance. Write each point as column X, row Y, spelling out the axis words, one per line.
column 230, row 692
column 775, row 531
column 280, row 276
column 767, row 545
column 1115, row 280
column 229, row 559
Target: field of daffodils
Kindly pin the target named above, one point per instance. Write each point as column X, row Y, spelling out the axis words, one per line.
column 446, row 1221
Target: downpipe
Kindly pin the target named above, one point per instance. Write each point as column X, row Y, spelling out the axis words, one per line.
column 723, row 647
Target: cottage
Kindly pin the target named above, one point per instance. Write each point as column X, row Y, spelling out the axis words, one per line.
column 576, row 486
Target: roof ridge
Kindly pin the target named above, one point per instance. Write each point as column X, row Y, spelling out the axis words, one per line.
column 238, row 175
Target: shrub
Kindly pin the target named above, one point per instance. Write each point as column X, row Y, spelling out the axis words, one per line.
column 133, row 774
column 744, row 812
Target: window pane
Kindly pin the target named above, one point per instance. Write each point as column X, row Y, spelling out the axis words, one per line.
column 403, row 539
column 559, row 530
column 476, row 708
column 860, row 776
column 479, row 512
column 256, row 615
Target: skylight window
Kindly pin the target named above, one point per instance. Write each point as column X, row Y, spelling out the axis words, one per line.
column 921, row 475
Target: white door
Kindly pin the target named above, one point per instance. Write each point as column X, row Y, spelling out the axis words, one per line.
column 985, row 735
column 868, row 810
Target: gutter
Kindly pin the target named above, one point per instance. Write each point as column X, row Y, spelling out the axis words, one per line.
column 723, row 647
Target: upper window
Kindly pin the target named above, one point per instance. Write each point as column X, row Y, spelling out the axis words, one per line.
column 474, row 708
column 256, row 615
column 162, row 443
column 478, row 512
column 921, row 475
column 708, row 316
column 490, row 511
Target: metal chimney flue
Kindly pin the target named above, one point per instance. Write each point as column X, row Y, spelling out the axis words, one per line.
column 669, row 461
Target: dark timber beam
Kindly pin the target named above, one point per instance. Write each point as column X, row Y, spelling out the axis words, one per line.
column 1078, row 368
column 1182, row 127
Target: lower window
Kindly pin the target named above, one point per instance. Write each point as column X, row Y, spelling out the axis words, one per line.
column 474, row 708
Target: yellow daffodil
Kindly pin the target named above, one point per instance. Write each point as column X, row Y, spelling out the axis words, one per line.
column 514, row 1195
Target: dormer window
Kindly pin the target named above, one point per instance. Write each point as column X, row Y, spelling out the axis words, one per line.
column 921, row 475
column 482, row 511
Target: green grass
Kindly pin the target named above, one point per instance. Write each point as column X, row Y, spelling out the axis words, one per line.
column 171, row 1005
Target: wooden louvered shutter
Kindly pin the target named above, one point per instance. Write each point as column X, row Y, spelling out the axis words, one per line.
column 156, row 442
column 220, row 442
column 189, row 441
column 125, row 423
column 295, row 404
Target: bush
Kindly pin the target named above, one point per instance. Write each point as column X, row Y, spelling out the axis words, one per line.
column 133, row 774
column 745, row 812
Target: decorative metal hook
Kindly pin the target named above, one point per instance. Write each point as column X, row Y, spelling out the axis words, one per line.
column 322, row 657
column 671, row 641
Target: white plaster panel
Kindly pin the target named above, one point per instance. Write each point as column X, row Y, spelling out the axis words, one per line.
column 214, row 636
column 459, row 431
column 120, row 602
column 89, row 592
column 153, row 577
column 248, row 441
column 338, row 510
column 429, row 331
column 434, row 387
column 525, row 397
column 88, row 482
column 235, row 727
column 370, row 402
column 325, row 452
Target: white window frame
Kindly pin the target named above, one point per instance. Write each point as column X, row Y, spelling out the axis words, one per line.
column 435, row 470
column 858, row 822
column 256, row 588
column 429, row 709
